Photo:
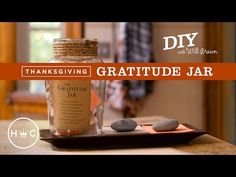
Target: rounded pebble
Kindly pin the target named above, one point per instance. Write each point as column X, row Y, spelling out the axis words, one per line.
column 165, row 125
column 124, row 125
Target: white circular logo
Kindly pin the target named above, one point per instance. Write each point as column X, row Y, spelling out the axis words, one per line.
column 23, row 133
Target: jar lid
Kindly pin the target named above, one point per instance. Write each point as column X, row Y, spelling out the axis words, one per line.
column 75, row 47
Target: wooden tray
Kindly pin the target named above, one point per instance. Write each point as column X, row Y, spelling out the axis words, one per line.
column 112, row 139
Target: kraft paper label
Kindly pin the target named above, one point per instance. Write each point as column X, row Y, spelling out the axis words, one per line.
column 72, row 104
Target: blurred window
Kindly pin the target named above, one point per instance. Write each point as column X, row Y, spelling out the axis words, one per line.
column 41, row 35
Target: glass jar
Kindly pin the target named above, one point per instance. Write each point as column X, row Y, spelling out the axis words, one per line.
column 75, row 107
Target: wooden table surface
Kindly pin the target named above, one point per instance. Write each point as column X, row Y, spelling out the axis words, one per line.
column 204, row 144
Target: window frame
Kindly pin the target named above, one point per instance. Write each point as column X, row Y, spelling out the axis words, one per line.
column 15, row 98
column 23, row 30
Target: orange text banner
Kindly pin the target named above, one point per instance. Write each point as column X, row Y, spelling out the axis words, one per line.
column 118, row 71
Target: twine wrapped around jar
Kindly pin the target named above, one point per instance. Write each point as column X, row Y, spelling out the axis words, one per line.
column 75, row 47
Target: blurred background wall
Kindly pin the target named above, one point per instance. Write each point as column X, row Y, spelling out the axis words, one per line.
column 205, row 104
column 183, row 100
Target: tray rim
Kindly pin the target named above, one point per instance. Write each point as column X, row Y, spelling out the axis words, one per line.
column 120, row 140
column 195, row 131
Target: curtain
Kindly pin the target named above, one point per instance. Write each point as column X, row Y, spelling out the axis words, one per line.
column 134, row 45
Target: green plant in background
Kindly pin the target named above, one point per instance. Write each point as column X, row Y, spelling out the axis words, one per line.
column 41, row 39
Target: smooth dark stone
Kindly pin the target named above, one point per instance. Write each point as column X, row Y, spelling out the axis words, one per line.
column 165, row 125
column 124, row 125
